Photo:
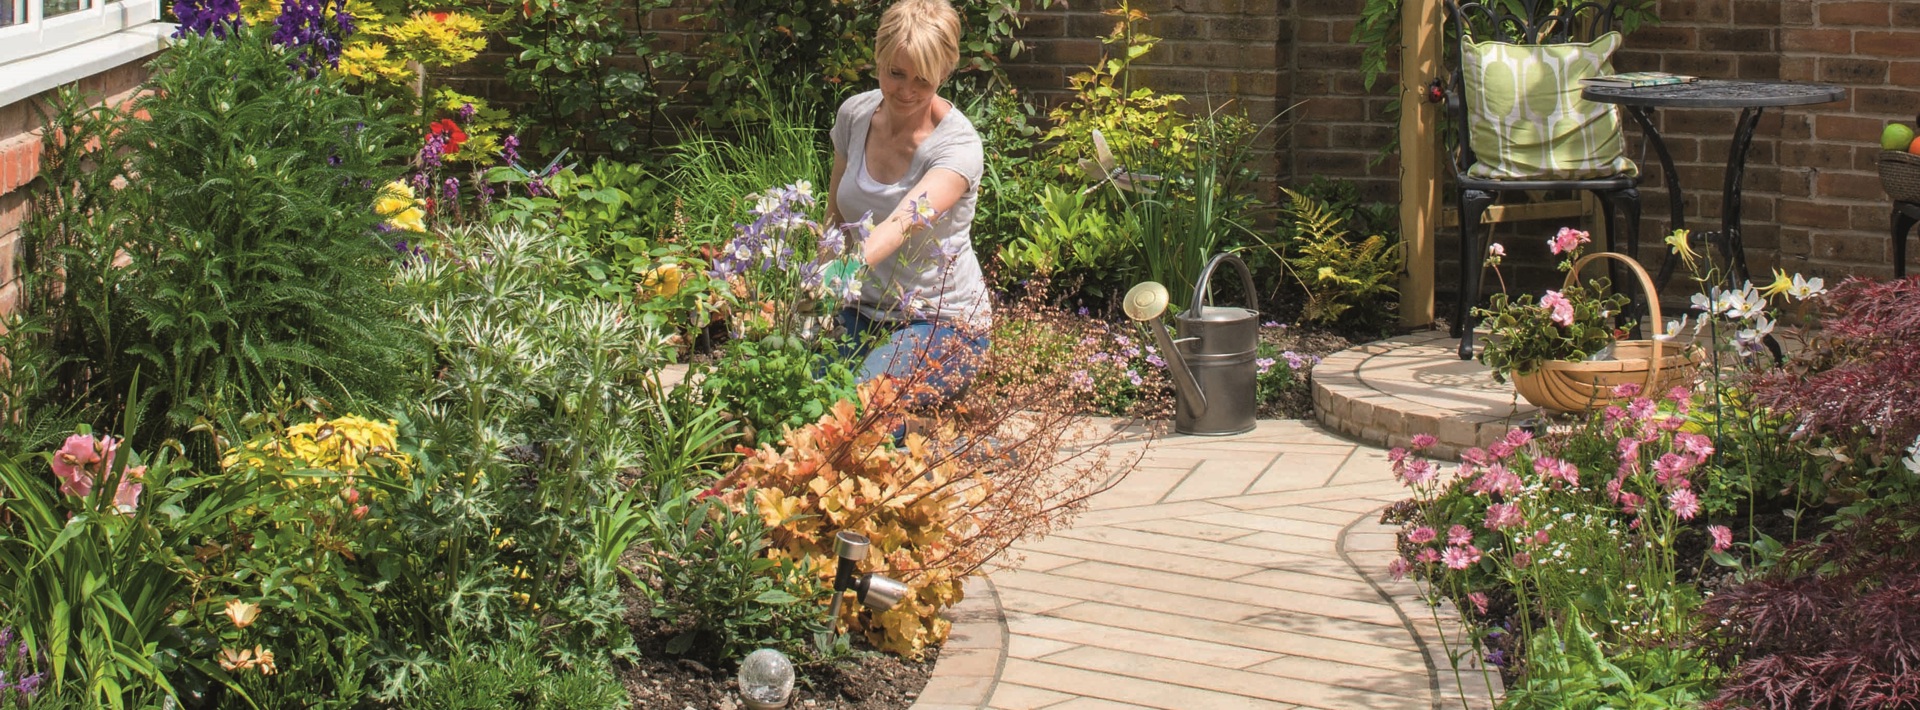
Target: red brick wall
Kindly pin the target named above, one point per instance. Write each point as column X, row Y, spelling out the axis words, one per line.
column 1813, row 201
column 20, row 162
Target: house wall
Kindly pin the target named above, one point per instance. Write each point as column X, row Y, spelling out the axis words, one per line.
column 20, row 162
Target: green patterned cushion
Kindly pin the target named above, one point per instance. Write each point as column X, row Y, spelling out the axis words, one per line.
column 1527, row 119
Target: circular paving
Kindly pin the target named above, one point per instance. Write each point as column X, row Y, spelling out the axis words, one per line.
column 1385, row 392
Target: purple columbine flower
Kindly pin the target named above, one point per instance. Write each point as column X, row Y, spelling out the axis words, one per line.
column 303, row 27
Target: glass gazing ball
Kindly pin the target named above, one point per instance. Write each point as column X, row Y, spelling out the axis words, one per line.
column 766, row 676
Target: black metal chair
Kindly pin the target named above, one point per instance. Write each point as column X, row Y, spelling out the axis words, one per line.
column 1905, row 215
column 1535, row 22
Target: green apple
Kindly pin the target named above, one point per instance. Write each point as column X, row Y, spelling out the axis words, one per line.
column 1897, row 136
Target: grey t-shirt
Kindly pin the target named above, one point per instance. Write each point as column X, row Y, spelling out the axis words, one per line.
column 934, row 275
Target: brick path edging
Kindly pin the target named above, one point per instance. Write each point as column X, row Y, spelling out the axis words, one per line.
column 976, row 650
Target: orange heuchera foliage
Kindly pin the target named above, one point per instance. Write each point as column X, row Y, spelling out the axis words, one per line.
column 844, row 473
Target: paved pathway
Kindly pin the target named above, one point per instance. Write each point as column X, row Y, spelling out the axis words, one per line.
column 1236, row 572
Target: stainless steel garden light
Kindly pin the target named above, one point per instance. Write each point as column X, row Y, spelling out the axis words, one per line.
column 875, row 590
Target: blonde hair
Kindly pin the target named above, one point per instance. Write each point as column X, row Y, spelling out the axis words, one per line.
column 928, row 31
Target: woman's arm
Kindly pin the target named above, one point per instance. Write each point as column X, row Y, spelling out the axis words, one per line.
column 833, row 188
column 936, row 193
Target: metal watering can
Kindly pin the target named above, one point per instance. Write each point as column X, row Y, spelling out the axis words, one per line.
column 1212, row 363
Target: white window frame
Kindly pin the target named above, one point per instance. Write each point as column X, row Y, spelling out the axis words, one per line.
column 40, row 35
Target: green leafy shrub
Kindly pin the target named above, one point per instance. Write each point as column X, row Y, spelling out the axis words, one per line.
column 511, row 676
column 1067, row 239
column 718, row 584
column 1012, row 181
column 596, row 80
column 775, row 383
column 255, row 264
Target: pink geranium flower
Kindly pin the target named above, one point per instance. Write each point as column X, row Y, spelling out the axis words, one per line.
column 1459, row 535
column 1567, row 239
column 1684, row 503
column 1421, row 535
column 1722, row 537
column 1560, row 310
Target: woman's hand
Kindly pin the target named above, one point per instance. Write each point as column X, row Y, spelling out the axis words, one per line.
column 936, row 193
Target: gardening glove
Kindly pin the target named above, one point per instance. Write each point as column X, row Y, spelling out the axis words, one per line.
column 841, row 278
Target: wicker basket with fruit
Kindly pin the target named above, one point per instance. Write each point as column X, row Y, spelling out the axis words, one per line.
column 1900, row 162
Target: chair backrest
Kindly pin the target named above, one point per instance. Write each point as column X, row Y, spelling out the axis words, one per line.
column 1518, row 22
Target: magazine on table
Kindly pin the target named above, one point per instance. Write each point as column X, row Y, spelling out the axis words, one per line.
column 1636, row 79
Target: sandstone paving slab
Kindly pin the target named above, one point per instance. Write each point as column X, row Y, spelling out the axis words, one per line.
column 1125, row 688
column 1013, row 696
column 1225, row 573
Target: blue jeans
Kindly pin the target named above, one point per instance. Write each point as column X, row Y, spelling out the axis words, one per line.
column 939, row 355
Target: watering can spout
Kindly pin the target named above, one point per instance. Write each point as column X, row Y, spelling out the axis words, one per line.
column 1145, row 303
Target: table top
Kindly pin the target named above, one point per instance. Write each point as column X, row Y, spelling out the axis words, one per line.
column 1717, row 93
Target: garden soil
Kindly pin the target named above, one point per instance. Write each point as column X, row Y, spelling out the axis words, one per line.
column 869, row 680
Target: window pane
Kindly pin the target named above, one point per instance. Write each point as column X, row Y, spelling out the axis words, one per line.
column 12, row 12
column 61, row 7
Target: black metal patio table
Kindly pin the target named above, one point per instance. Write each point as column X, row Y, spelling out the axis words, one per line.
column 1752, row 98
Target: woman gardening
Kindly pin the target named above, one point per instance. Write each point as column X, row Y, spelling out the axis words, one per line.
column 922, row 313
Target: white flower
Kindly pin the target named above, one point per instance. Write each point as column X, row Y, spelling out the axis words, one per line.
column 803, row 188
column 1804, row 288
column 1912, row 460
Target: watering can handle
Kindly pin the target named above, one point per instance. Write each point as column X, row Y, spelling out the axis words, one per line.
column 1201, row 294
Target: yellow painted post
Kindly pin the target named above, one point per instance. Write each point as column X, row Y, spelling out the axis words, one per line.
column 1420, row 46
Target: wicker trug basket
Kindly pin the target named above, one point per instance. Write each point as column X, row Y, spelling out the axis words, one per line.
column 1656, row 365
column 1900, row 175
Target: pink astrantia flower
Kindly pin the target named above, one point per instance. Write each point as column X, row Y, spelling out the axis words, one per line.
column 1419, row 472
column 1396, row 455
column 1626, row 389
column 1614, row 413
column 1696, row 444
column 1475, row 456
column 1459, row 535
column 1421, row 535
column 1479, row 601
column 1628, row 449
column 1398, row 568
column 1522, row 560
column 1672, row 469
column 1684, row 503
column 1679, row 394
column 1722, row 537
column 1641, row 408
column 1553, row 469
column 1501, row 516
column 1460, row 557
column 1427, row 556
column 1540, row 537
column 1422, row 441
column 1497, row 480
column 1560, row 310
column 1568, row 239
column 1517, row 438
column 1500, row 450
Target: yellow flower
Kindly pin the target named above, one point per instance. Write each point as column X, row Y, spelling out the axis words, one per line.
column 242, row 613
column 438, row 38
column 1678, row 242
column 403, row 211
column 1782, row 283
column 664, row 281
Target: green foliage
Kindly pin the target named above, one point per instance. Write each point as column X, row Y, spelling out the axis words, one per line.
column 595, row 79
column 84, row 581
column 775, row 383
column 1066, row 238
column 255, row 264
column 1348, row 281
column 1011, row 182
column 715, row 179
column 512, row 676
column 718, row 583
column 822, row 48
column 1568, row 669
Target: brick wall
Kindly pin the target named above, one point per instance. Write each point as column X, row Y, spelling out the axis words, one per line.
column 1812, row 199
column 20, row 162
